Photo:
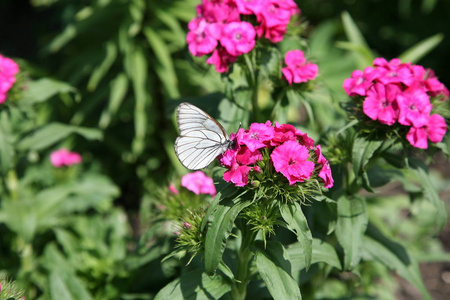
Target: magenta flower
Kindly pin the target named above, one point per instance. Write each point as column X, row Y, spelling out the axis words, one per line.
column 64, row 157
column 201, row 37
column 238, row 37
column 198, row 183
column 221, row 59
column 394, row 71
column 325, row 171
column 276, row 12
column 380, row 103
column 218, row 11
column 239, row 163
column 258, row 135
column 359, row 82
column 173, row 189
column 415, row 107
column 297, row 68
column 249, row 7
column 436, row 128
column 290, row 159
column 8, row 71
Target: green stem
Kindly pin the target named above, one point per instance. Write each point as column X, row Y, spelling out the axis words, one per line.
column 244, row 256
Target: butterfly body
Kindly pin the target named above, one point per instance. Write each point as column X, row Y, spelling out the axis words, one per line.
column 201, row 138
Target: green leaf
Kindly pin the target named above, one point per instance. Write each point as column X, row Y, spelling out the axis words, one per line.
column 430, row 193
column 118, row 91
column 136, row 66
column 274, row 267
column 7, row 140
column 100, row 71
column 195, row 285
column 351, row 225
column 395, row 257
column 364, row 56
column 363, row 150
column 296, row 222
column 52, row 133
column 321, row 252
column 164, row 66
column 416, row 52
column 44, row 89
column 221, row 223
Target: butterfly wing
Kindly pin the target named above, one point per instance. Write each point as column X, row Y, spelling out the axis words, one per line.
column 201, row 138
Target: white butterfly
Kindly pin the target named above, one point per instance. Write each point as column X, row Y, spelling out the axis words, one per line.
column 201, row 138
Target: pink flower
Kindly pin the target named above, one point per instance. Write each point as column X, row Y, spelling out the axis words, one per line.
column 258, row 135
column 249, row 7
column 380, row 103
column 276, row 12
column 8, row 71
column 415, row 107
column 173, row 189
column 198, row 183
column 393, row 71
column 201, row 37
column 290, row 159
column 325, row 171
column 64, row 157
column 218, row 11
column 298, row 69
column 436, row 128
column 359, row 82
column 238, row 162
column 434, row 131
column 221, row 59
column 238, row 37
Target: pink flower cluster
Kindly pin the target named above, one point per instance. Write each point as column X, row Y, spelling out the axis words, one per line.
column 198, row 183
column 396, row 92
column 297, row 68
column 8, row 71
column 219, row 27
column 64, row 157
column 292, row 153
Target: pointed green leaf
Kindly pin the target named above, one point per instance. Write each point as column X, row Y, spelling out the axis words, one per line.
column 416, row 52
column 296, row 222
column 221, row 223
column 363, row 56
column 274, row 267
column 351, row 225
column 44, row 89
column 100, row 71
column 195, row 285
column 395, row 257
column 118, row 91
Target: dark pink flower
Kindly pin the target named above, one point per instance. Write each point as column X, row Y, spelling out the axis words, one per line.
column 393, row 71
column 173, row 189
column 258, row 135
column 221, row 59
column 238, row 37
column 201, row 38
column 414, row 106
column 8, row 71
column 436, row 128
column 290, row 159
column 237, row 174
column 325, row 171
column 218, row 11
column 64, row 157
column 434, row 131
column 380, row 103
column 249, row 7
column 198, row 183
column 359, row 82
column 297, row 68
column 276, row 12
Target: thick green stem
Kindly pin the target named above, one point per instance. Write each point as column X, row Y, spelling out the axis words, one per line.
column 244, row 256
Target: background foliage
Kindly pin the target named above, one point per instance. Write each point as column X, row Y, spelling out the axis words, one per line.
column 103, row 77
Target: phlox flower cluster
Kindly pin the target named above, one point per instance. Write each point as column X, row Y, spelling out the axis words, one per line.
column 298, row 69
column 219, row 28
column 281, row 150
column 198, row 183
column 64, row 157
column 401, row 93
column 8, row 71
